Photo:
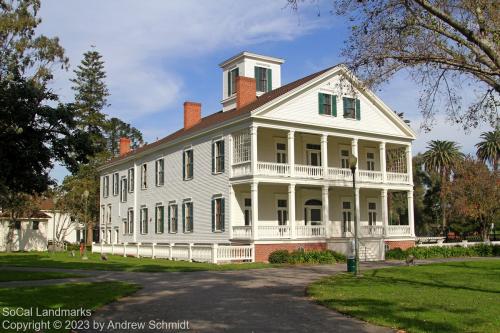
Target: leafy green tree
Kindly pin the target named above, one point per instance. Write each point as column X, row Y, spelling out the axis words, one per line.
column 22, row 51
column 441, row 157
column 488, row 150
column 91, row 95
column 116, row 129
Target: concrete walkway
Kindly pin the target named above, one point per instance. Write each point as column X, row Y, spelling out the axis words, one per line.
column 260, row 300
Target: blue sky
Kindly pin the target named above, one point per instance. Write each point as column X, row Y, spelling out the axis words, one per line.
column 160, row 53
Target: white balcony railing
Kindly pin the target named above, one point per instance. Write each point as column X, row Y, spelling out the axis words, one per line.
column 274, row 231
column 242, row 232
column 310, row 231
column 395, row 177
column 273, row 169
column 372, row 230
column 242, row 169
column 308, row 171
column 370, row 176
column 339, row 174
column 398, row 230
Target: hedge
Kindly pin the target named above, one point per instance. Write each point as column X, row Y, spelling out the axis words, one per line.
column 303, row 257
column 480, row 250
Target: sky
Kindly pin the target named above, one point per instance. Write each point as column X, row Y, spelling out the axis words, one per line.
column 159, row 54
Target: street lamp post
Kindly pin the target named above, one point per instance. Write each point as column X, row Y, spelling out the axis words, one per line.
column 353, row 161
column 54, row 203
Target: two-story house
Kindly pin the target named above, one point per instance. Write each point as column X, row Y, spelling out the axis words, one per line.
column 271, row 170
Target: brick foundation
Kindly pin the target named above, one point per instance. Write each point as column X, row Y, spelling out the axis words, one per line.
column 401, row 244
column 262, row 251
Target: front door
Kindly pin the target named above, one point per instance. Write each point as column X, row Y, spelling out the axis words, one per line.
column 312, row 212
column 314, row 157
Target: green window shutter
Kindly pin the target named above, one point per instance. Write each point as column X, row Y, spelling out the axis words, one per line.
column 229, row 92
column 358, row 109
column 192, row 217
column 162, row 219
column 334, row 105
column 183, row 165
column 223, row 223
column 183, row 217
column 269, row 79
column 257, row 76
column 213, row 157
column 222, row 154
column 213, row 215
column 156, row 219
column 191, row 166
column 176, row 218
column 169, row 219
column 344, row 104
column 146, row 219
column 321, row 99
column 156, row 173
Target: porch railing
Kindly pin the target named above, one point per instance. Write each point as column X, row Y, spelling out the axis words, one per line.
column 370, row 176
column 242, row 169
column 242, row 232
column 310, row 231
column 339, row 174
column 273, row 231
column 273, row 169
column 395, row 177
column 308, row 171
column 398, row 230
column 372, row 230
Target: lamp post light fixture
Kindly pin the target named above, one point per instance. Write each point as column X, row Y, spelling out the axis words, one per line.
column 353, row 162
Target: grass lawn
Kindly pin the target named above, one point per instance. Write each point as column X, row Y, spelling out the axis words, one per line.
column 86, row 295
column 27, row 276
column 115, row 263
column 449, row 297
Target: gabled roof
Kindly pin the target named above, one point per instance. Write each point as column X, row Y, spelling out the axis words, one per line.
column 24, row 216
column 221, row 117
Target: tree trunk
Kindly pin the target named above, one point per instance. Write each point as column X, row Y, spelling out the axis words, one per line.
column 90, row 233
column 443, row 200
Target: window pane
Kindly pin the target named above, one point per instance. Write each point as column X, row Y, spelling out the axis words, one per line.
column 282, row 203
column 346, row 205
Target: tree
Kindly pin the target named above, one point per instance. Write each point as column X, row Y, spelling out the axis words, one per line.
column 22, row 51
column 91, row 95
column 116, row 129
column 442, row 44
column 441, row 157
column 475, row 194
column 488, row 150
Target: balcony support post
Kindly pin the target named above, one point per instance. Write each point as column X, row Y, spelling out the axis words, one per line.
column 411, row 219
column 253, row 147
column 291, row 152
column 326, row 217
column 324, row 154
column 291, row 209
column 409, row 164
column 354, row 150
column 254, row 189
column 383, row 165
column 230, row 206
column 384, row 211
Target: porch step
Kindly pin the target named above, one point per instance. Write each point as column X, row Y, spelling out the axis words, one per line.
column 366, row 254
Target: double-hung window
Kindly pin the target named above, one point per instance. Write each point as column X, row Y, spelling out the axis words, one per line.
column 125, row 226
column 218, row 222
column 103, row 214
column 372, row 213
column 159, row 219
column 218, row 156
column 144, row 220
column 281, row 152
column 263, row 79
column 248, row 211
column 282, row 210
column 115, row 183
column 352, row 108
column 123, row 189
column 231, row 81
column 131, row 180
column 344, row 158
column 105, row 186
column 130, row 220
column 187, row 216
column 188, row 163
column 109, row 214
column 172, row 218
column 346, row 216
column 327, row 104
column 144, row 176
column 370, row 161
column 160, row 172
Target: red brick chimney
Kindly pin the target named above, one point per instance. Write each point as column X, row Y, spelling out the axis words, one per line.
column 246, row 91
column 192, row 114
column 124, row 146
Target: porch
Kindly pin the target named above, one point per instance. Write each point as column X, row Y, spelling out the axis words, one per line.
column 305, row 212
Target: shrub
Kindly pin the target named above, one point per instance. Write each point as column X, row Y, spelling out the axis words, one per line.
column 496, row 250
column 479, row 250
column 396, row 253
column 339, row 257
column 279, row 257
column 483, row 250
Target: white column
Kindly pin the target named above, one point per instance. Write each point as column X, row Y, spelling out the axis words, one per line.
column 291, row 209
column 411, row 219
column 324, row 154
column 230, row 157
column 137, row 180
column 384, row 210
column 382, row 161
column 230, row 215
column 357, row 207
column 253, row 147
column 324, row 199
column 291, row 152
column 354, row 149
column 409, row 164
column 254, row 189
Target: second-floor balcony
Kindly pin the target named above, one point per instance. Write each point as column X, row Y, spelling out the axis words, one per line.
column 278, row 153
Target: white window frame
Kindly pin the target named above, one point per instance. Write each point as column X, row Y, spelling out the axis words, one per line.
column 103, row 214
column 349, row 212
column 185, row 207
column 131, row 180
column 264, row 78
column 105, row 186
column 247, row 209
column 109, row 217
column 123, row 189
column 157, row 229
column 116, row 184
column 354, row 110
column 281, row 154
column 308, row 151
column 173, row 217
column 279, row 209
column 344, row 160
column 160, row 172
column 231, row 84
column 370, row 162
column 218, row 217
column 143, row 220
column 131, row 221
column 185, row 153
column 125, row 226
column 217, row 155
column 144, row 176
column 372, row 212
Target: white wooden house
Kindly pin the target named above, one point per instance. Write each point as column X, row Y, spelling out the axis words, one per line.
column 268, row 171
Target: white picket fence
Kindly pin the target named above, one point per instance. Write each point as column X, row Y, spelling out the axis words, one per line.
column 213, row 253
column 462, row 244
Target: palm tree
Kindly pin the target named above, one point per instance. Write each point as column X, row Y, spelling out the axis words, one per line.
column 441, row 156
column 488, row 150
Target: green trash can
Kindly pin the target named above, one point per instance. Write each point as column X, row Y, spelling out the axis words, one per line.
column 351, row 264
